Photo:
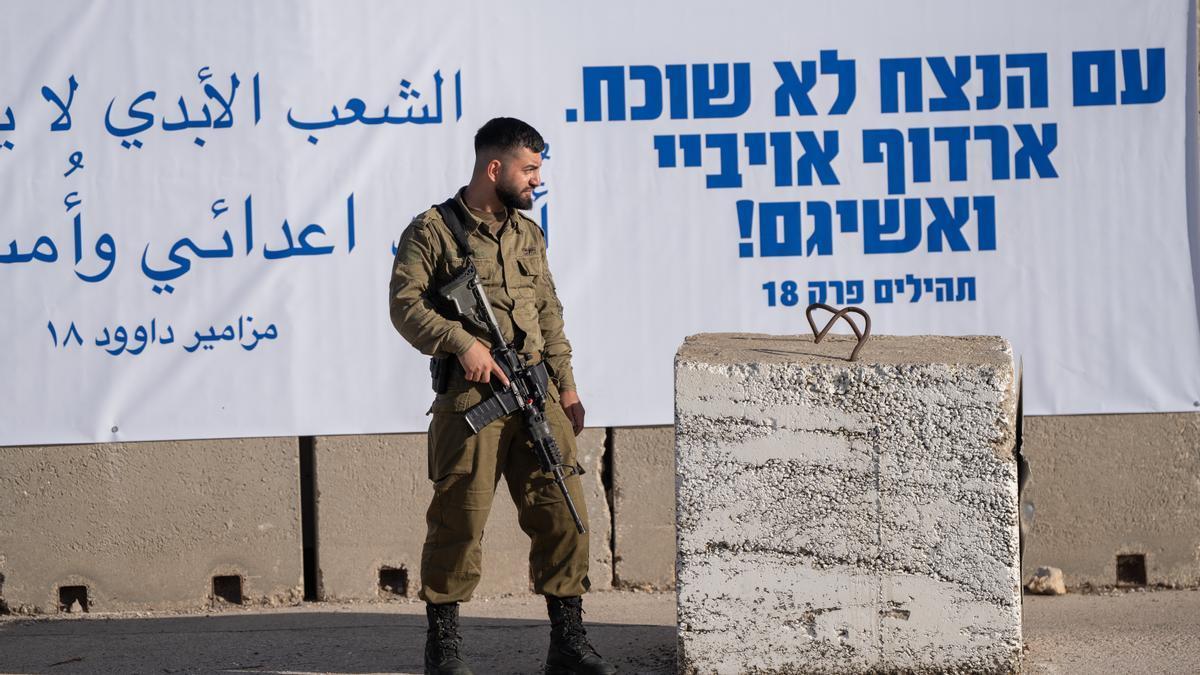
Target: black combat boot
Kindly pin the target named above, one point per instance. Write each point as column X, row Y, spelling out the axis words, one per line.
column 442, row 641
column 570, row 651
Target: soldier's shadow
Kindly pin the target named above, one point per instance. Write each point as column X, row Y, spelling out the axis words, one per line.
column 302, row 642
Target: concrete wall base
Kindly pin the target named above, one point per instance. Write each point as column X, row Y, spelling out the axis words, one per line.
column 372, row 493
column 148, row 525
column 644, row 507
column 1103, row 487
column 143, row 526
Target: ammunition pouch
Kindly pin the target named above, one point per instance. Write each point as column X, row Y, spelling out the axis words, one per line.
column 440, row 368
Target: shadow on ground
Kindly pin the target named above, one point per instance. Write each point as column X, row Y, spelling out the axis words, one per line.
column 302, row 642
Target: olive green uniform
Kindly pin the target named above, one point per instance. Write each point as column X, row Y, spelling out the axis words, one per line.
column 465, row 468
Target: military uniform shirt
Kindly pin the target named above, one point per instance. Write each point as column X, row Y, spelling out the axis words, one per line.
column 511, row 261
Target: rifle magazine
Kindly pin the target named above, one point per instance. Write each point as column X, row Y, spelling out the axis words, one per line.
column 483, row 414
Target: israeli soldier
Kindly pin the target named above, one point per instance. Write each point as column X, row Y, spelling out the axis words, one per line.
column 509, row 252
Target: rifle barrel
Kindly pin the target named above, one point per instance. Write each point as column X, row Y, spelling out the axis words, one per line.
column 562, row 485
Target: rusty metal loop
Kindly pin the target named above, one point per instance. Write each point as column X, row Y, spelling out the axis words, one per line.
column 863, row 334
column 837, row 314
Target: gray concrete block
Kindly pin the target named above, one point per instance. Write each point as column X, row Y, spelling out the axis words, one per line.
column 372, row 494
column 148, row 525
column 1107, row 485
column 847, row 517
column 644, row 507
column 591, row 445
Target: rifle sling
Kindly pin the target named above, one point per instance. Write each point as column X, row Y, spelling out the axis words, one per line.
column 455, row 216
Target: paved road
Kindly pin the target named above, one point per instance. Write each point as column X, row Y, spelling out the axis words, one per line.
column 1121, row 632
column 1136, row 632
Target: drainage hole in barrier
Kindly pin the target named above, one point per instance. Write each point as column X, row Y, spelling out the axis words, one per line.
column 393, row 581
column 1131, row 569
column 72, row 599
column 228, row 589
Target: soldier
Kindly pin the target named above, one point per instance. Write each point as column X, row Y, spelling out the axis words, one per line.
column 509, row 253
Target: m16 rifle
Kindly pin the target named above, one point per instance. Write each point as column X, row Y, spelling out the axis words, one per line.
column 528, row 384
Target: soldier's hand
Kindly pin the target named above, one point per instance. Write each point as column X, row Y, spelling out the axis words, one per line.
column 574, row 409
column 479, row 365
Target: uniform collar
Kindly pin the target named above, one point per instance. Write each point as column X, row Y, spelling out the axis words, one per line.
column 513, row 219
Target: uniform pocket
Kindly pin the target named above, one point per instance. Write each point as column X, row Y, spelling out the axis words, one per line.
column 525, row 316
column 460, row 396
column 563, row 432
column 451, row 446
column 530, row 265
column 529, row 268
column 489, row 271
column 449, row 267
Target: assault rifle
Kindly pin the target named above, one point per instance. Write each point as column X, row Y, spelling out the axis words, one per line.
column 528, row 385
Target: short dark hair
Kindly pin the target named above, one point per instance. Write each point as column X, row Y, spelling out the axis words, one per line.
column 505, row 134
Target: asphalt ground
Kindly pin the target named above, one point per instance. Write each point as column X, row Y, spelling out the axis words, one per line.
column 1155, row 631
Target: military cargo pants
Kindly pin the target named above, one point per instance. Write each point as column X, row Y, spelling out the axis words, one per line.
column 466, row 469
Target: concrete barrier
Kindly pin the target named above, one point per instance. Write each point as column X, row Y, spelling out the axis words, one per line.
column 1113, row 499
column 372, row 493
column 840, row 517
column 163, row 525
column 644, row 507
column 148, row 525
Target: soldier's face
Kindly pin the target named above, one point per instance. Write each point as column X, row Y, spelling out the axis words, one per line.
column 520, row 172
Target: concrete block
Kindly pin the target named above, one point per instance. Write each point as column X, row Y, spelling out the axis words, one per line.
column 847, row 517
column 644, row 507
column 372, row 494
column 148, row 525
column 1101, row 486
column 591, row 445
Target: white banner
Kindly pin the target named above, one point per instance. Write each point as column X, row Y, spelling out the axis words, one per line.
column 202, row 199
